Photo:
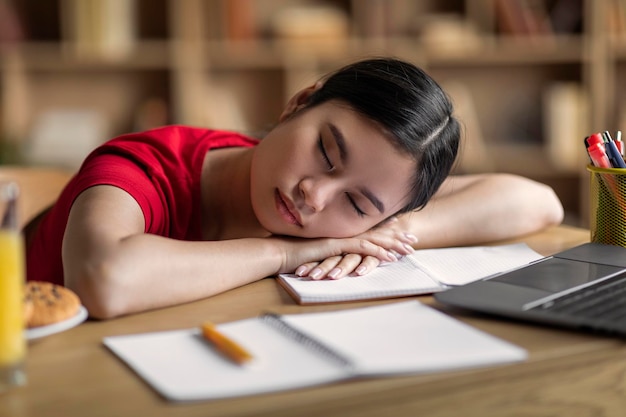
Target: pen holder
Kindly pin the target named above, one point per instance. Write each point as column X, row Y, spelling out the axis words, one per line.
column 608, row 205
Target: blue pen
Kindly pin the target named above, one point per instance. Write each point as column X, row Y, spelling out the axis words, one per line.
column 618, row 142
column 611, row 151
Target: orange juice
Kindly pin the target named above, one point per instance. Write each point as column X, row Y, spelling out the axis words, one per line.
column 12, row 340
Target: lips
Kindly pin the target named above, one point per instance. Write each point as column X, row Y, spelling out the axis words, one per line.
column 287, row 210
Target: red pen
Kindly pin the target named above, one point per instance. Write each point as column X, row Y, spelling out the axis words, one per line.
column 598, row 155
column 595, row 138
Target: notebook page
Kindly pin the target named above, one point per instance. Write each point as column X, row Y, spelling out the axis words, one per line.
column 181, row 366
column 462, row 265
column 394, row 279
column 405, row 337
column 425, row 271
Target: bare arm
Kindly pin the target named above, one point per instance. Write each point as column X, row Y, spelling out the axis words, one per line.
column 474, row 209
column 467, row 210
column 117, row 269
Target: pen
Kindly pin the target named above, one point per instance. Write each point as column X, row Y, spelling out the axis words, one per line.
column 595, row 138
column 618, row 142
column 598, row 156
column 231, row 349
column 596, row 150
column 617, row 161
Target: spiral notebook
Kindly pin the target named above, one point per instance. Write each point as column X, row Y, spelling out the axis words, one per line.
column 300, row 350
column 424, row 271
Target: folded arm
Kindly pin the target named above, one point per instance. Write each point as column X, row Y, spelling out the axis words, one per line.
column 474, row 209
column 467, row 210
column 117, row 269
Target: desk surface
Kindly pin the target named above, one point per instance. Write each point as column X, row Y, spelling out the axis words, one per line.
column 567, row 374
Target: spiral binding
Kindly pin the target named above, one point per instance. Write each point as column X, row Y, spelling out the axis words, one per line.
column 278, row 323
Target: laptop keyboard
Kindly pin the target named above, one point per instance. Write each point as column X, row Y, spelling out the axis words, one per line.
column 602, row 301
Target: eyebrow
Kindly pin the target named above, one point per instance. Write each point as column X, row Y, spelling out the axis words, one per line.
column 375, row 201
column 340, row 140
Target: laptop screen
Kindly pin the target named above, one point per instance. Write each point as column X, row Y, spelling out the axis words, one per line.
column 556, row 275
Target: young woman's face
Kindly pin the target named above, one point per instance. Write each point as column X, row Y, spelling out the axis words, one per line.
column 327, row 172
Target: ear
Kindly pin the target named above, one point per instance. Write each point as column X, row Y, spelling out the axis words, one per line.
column 299, row 100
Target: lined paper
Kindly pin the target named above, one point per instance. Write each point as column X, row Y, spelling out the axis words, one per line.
column 425, row 271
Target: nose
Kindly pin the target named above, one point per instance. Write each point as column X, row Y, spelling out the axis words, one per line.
column 316, row 193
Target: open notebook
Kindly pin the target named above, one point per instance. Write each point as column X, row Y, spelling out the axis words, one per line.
column 424, row 271
column 300, row 350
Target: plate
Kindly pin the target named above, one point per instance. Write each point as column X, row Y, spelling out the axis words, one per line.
column 43, row 331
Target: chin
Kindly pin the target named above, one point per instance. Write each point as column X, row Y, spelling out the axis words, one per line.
column 275, row 227
column 321, row 235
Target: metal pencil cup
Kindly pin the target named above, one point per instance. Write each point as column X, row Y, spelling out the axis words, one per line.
column 608, row 205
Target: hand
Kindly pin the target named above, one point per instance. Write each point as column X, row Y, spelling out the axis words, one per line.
column 297, row 251
column 387, row 236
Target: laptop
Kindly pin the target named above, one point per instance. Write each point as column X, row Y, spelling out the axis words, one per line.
column 583, row 288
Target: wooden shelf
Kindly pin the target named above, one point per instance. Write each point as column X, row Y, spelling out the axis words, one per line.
column 54, row 56
column 504, row 51
column 187, row 53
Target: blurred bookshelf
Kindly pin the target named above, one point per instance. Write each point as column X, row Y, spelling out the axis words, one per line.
column 530, row 78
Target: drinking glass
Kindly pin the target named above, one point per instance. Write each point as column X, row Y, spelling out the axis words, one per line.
column 12, row 277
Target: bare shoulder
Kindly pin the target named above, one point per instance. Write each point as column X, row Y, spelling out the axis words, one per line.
column 105, row 207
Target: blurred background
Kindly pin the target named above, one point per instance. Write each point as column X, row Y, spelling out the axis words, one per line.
column 529, row 78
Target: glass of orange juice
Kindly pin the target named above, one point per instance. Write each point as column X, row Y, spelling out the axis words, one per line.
column 12, row 277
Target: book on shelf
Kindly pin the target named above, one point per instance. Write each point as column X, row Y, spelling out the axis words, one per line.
column 566, row 16
column 11, row 25
column 523, row 17
column 374, row 18
column 616, row 18
column 423, row 272
column 448, row 33
column 14, row 95
column 99, row 28
column 239, row 19
column 316, row 26
column 302, row 350
column 565, row 124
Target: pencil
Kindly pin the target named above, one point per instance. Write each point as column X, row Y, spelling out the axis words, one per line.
column 231, row 349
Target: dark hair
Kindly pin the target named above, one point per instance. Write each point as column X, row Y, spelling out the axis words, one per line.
column 410, row 106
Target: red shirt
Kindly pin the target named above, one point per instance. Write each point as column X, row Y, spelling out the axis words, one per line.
column 159, row 168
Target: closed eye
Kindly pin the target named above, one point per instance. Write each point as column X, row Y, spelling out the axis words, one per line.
column 320, row 145
column 355, row 206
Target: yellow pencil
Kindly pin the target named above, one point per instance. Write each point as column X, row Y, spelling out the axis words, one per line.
column 225, row 345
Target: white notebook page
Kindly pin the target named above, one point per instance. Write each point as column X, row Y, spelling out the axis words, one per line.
column 462, row 265
column 404, row 337
column 394, row 279
column 396, row 338
column 424, row 271
column 182, row 366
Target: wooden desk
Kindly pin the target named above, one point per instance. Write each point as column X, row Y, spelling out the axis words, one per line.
column 567, row 374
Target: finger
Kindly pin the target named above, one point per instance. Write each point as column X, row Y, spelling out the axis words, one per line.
column 410, row 238
column 346, row 266
column 395, row 241
column 389, row 221
column 305, row 269
column 365, row 247
column 389, row 232
column 367, row 264
column 382, row 253
column 403, row 242
column 324, row 267
column 405, row 238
